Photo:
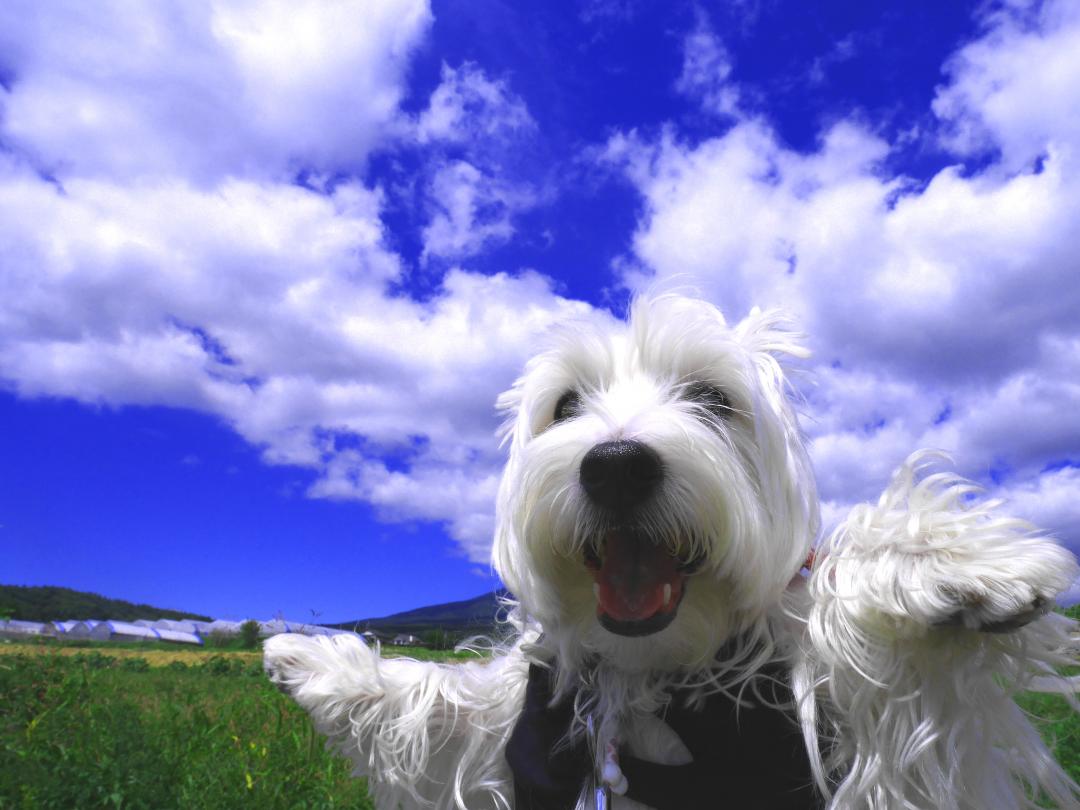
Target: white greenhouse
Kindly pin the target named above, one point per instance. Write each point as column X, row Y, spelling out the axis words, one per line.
column 319, row 630
column 15, row 628
column 72, row 629
column 123, row 631
column 223, row 626
column 175, row 626
column 276, row 626
column 131, row 631
column 178, row 636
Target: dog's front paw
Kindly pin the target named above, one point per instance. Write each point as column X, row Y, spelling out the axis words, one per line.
column 974, row 612
column 996, row 583
column 287, row 660
column 931, row 554
column 306, row 668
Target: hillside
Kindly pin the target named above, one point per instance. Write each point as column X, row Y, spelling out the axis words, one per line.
column 471, row 616
column 467, row 616
column 49, row 603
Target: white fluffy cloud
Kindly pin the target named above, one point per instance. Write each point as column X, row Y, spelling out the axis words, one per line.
column 468, row 106
column 469, row 195
column 940, row 316
column 1050, row 501
column 155, row 250
column 706, row 70
column 267, row 305
column 204, row 90
column 471, row 210
column 1015, row 89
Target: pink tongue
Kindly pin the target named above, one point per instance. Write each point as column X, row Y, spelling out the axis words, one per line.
column 632, row 578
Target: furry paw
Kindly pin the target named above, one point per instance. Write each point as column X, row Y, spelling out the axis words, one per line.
column 930, row 554
column 974, row 613
column 292, row 661
column 997, row 578
column 280, row 663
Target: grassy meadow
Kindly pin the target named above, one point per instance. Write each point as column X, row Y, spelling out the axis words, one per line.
column 153, row 726
column 91, row 730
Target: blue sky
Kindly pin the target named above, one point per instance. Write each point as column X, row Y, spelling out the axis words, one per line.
column 266, row 265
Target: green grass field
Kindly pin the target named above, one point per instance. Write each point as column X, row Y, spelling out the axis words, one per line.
column 90, row 731
column 168, row 728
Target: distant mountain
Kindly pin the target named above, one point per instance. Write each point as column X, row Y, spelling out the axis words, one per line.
column 464, row 617
column 48, row 603
column 468, row 617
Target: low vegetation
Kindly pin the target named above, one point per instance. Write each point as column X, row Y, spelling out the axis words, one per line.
column 249, row 634
column 93, row 730
column 1059, row 725
column 106, row 725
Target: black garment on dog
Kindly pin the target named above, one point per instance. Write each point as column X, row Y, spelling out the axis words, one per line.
column 546, row 776
column 755, row 759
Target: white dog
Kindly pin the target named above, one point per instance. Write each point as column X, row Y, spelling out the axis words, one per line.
column 654, row 515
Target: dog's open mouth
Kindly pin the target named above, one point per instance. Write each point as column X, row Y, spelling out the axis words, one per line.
column 639, row 583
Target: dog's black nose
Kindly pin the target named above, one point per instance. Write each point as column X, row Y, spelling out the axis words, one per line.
column 620, row 475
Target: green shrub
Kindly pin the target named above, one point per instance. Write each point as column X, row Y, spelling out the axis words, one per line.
column 134, row 664
column 249, row 634
column 93, row 660
column 222, row 665
column 439, row 639
column 224, row 641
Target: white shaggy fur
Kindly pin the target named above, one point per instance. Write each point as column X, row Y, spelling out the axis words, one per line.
column 921, row 618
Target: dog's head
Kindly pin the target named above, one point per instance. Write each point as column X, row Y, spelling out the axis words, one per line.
column 658, row 497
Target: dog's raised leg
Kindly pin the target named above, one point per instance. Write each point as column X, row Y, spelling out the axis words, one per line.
column 427, row 735
column 928, row 613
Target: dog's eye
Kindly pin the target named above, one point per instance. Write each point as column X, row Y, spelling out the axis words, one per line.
column 708, row 396
column 568, row 406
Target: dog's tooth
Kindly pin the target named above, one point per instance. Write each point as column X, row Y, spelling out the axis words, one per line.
column 596, row 590
column 667, row 594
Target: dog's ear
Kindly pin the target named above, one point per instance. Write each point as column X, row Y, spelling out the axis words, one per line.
column 786, row 480
column 770, row 331
column 507, row 405
column 508, row 402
